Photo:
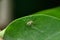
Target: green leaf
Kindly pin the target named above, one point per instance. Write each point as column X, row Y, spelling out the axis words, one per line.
column 53, row 12
column 34, row 27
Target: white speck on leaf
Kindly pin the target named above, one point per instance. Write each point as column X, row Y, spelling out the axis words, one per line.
column 29, row 23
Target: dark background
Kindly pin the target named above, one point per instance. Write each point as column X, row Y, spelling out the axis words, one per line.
column 27, row 7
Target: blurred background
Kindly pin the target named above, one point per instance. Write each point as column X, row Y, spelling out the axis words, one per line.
column 13, row 9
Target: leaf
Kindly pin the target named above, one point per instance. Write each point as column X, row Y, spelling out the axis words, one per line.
column 2, row 33
column 53, row 12
column 34, row 27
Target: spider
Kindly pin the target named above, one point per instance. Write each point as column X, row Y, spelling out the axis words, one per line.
column 30, row 23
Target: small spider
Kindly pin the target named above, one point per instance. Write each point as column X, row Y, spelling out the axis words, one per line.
column 29, row 23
